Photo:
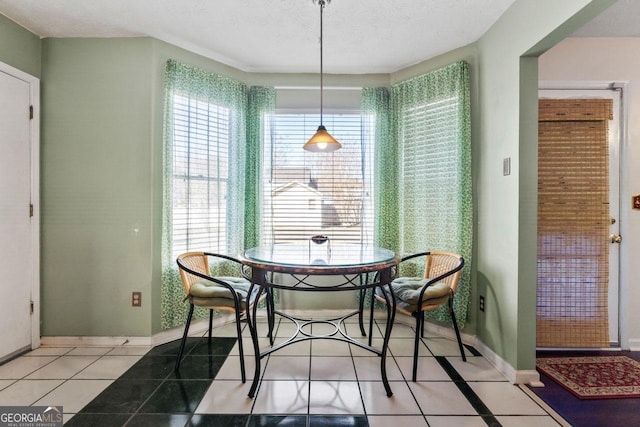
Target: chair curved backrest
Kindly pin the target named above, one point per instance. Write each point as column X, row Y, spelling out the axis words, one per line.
column 195, row 266
column 196, row 261
column 439, row 263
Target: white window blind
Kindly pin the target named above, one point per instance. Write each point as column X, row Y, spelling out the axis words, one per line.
column 305, row 193
column 431, row 173
column 200, row 175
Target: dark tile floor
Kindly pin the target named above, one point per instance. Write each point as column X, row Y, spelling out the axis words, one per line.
column 151, row 393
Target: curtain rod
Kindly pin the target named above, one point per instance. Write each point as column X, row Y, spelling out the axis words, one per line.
column 317, row 87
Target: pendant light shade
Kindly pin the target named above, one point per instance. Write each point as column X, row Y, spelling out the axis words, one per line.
column 322, row 141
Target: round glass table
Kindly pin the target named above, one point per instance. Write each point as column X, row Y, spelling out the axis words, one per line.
column 325, row 258
column 353, row 267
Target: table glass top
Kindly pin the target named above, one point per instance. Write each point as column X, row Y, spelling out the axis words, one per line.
column 319, row 255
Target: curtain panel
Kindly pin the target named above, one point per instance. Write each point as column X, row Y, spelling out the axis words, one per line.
column 423, row 185
column 262, row 105
column 377, row 119
column 201, row 87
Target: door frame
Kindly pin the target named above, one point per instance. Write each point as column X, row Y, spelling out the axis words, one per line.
column 34, row 136
column 621, row 336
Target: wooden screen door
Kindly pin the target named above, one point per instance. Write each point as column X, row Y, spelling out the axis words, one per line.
column 578, row 168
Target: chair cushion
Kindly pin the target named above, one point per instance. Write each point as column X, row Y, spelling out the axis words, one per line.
column 206, row 293
column 407, row 292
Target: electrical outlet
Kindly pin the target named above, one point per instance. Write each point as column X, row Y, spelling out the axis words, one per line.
column 136, row 299
column 481, row 303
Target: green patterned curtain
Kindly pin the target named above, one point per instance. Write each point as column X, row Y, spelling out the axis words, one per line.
column 376, row 117
column 186, row 81
column 262, row 104
column 427, row 196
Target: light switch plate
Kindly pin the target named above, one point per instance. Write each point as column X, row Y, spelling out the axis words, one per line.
column 506, row 166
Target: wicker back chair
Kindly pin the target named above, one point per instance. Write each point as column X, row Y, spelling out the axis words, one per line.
column 228, row 293
column 415, row 295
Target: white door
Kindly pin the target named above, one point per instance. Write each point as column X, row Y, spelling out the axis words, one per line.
column 19, row 258
column 608, row 91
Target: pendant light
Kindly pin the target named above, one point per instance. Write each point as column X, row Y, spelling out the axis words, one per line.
column 322, row 141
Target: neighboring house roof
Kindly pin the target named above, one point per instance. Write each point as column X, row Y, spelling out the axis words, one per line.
column 293, row 184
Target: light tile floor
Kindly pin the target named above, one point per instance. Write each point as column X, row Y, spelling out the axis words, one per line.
column 309, row 378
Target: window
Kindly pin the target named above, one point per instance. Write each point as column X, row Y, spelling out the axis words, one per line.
column 433, row 132
column 200, row 175
column 431, row 128
column 431, row 174
column 203, row 175
column 305, row 193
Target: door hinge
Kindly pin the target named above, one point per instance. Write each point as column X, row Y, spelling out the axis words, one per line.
column 31, row 307
column 30, row 112
column 30, row 210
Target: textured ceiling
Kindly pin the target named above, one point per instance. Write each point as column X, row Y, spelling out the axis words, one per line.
column 360, row 36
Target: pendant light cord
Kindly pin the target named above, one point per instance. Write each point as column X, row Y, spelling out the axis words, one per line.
column 321, row 2
column 322, row 141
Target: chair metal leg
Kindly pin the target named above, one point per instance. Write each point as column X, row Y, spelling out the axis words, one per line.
column 210, row 324
column 419, row 318
column 455, row 327
column 184, row 337
column 240, row 349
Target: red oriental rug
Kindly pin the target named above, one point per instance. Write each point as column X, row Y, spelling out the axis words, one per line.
column 594, row 377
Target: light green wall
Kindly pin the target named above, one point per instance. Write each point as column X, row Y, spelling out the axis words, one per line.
column 19, row 47
column 507, row 205
column 102, row 182
column 96, row 187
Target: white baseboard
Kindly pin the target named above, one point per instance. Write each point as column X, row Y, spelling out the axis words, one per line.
column 68, row 341
column 531, row 377
column 634, row 344
column 446, row 331
column 526, row 376
column 196, row 328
